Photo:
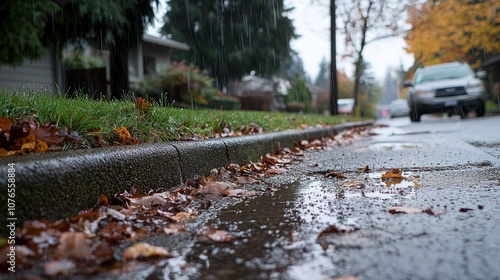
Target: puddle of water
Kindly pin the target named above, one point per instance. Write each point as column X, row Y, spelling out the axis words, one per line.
column 394, row 146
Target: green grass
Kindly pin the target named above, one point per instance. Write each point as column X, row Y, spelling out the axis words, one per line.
column 158, row 124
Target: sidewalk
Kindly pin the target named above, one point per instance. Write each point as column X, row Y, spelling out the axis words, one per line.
column 55, row 185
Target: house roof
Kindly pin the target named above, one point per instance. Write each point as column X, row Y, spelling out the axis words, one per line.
column 165, row 42
column 491, row 61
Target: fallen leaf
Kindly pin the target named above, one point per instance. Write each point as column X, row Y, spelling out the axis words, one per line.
column 334, row 174
column 142, row 105
column 62, row 267
column 395, row 173
column 174, row 229
column 74, row 245
column 49, row 134
column 217, row 235
column 404, row 210
column 274, row 171
column 356, row 184
column 337, row 229
column 125, row 137
column 144, row 250
column 183, row 216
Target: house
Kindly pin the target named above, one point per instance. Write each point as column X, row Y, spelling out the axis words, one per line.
column 257, row 93
column 49, row 72
column 492, row 67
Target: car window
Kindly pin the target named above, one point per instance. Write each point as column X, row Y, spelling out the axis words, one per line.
column 443, row 73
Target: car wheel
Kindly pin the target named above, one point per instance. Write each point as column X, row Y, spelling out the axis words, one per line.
column 414, row 116
column 480, row 109
column 462, row 112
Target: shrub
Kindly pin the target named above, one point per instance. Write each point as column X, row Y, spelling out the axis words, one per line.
column 223, row 102
column 177, row 83
column 295, row 106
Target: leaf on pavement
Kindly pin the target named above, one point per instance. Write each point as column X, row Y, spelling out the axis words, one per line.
column 274, row 171
column 395, row 173
column 217, row 235
column 337, row 229
column 183, row 216
column 404, row 210
column 74, row 245
column 334, row 174
column 61, row 267
column 143, row 250
column 175, row 229
column 355, row 184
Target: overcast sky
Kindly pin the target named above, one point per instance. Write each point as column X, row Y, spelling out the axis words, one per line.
column 312, row 23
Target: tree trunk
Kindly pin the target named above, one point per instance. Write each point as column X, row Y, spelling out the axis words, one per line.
column 119, row 70
column 359, row 62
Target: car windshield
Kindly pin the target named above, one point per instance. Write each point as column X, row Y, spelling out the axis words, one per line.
column 443, row 73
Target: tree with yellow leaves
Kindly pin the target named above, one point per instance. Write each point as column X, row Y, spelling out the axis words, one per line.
column 451, row 30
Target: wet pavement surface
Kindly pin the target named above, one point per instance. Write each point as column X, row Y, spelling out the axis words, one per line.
column 333, row 216
column 317, row 227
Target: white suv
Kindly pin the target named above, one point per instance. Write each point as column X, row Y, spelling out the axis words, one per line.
column 449, row 87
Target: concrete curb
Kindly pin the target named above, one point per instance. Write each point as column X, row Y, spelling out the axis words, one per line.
column 55, row 185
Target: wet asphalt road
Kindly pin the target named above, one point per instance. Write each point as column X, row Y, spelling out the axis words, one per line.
column 325, row 228
column 452, row 167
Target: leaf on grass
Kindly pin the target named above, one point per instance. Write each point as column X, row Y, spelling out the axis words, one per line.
column 217, row 235
column 5, row 124
column 142, row 105
column 404, row 210
column 125, row 137
column 49, row 134
column 143, row 250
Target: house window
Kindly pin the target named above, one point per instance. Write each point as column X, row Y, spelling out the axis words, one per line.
column 149, row 65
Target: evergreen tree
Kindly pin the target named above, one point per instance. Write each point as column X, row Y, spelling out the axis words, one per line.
column 299, row 93
column 231, row 38
column 323, row 78
column 294, row 65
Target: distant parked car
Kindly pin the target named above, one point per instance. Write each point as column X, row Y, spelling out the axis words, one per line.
column 345, row 106
column 399, row 108
column 449, row 87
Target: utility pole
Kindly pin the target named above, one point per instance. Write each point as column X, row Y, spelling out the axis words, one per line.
column 333, row 59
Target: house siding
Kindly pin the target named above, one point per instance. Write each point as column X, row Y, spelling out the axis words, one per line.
column 31, row 75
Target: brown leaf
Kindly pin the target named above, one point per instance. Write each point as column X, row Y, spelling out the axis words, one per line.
column 125, row 137
column 74, row 245
column 334, row 174
column 404, row 210
column 337, row 229
column 175, row 229
column 142, row 105
column 5, row 124
column 62, row 267
column 395, row 173
column 144, row 250
column 274, row 171
column 49, row 134
column 356, row 184
column 183, row 216
column 217, row 235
